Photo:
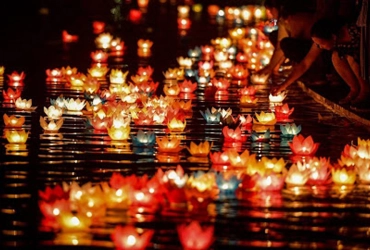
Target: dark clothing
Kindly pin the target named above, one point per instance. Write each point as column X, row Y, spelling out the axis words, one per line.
column 295, row 49
column 351, row 48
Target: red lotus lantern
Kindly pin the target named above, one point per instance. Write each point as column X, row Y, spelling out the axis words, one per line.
column 16, row 80
column 127, row 237
column 11, row 95
column 99, row 56
column 187, row 86
column 183, row 23
column 233, row 135
column 194, row 237
column 220, row 84
column 98, row 27
column 303, row 146
column 68, row 38
column 282, row 113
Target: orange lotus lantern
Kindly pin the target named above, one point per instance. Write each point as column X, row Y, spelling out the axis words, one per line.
column 237, row 33
column 76, row 80
column 98, row 72
column 51, row 126
column 145, row 71
column 144, row 47
column 220, row 158
column 207, row 51
column 343, row 175
column 213, row 9
column 68, row 38
column 320, row 170
column 242, row 57
column 278, row 98
column 103, row 40
column 11, row 95
column 128, row 238
column 201, row 150
column 99, row 56
column 53, row 112
column 303, row 146
column 263, row 118
column 194, row 237
column 16, row 136
column 98, row 27
column 52, row 209
column 142, row 3
column 171, row 89
column 169, row 144
column 13, row 122
column 187, row 86
column 68, row 71
column 247, row 99
column 91, row 85
column 283, row 112
column 220, row 84
column 176, row 125
column 183, row 11
column 239, row 72
column 259, row 79
column 70, row 222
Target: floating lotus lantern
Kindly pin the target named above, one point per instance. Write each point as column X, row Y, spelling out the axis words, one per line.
column 76, row 80
column 52, row 209
column 227, row 183
column 248, row 91
column 68, row 71
column 98, row 72
column 270, row 182
column 16, row 79
column 220, row 158
column 296, row 176
column 183, row 23
column 13, row 121
column 363, row 171
column 263, row 118
column 320, row 170
column 171, row 89
column 127, row 237
column 187, row 86
column 23, row 104
column 259, row 79
column 98, row 27
column 303, row 146
column 99, row 56
column 174, row 182
column 201, row 190
column 242, row 57
column 91, row 86
column 202, row 80
column 195, row 53
column 168, row 144
column 11, row 95
column 119, row 134
column 194, row 237
column 238, row 72
column 278, row 98
column 145, row 71
column 68, row 38
column 103, row 40
column 290, row 130
column 144, row 47
column 220, row 84
column 282, row 113
column 176, row 125
column 74, row 104
column 237, row 160
column 142, row 3
column 213, row 9
column 185, row 62
column 258, row 137
column 274, row 164
column 221, row 56
column 53, row 112
column 143, row 139
column 207, row 51
column 247, row 99
column 70, row 222
column 245, row 121
column 201, row 150
column 117, row 48
column 100, row 123
column 233, row 135
column 16, row 136
column 51, row 126
column 54, row 75
column 343, row 175
column 117, row 76
column 116, row 197
column 135, row 15
column 120, row 121
column 211, row 117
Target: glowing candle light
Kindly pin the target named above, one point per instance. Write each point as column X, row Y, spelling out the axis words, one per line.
column 11, row 95
column 303, row 146
column 98, row 27
column 16, row 136
column 99, row 56
column 68, row 38
column 193, row 236
column 127, row 238
column 70, row 222
column 183, row 11
column 168, row 144
column 183, row 23
column 103, row 40
column 13, row 121
column 201, row 150
column 51, row 126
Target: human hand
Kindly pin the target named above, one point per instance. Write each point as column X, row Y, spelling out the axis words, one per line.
column 264, row 71
column 276, row 89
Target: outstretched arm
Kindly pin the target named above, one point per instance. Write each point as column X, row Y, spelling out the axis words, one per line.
column 299, row 69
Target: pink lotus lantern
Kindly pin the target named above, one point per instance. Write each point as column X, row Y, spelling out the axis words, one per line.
column 220, row 84
column 282, row 113
column 233, row 135
column 245, row 121
column 11, row 95
column 248, row 91
column 220, row 158
column 187, row 86
column 16, row 80
column 127, row 237
column 99, row 56
column 143, row 201
column 145, row 71
column 320, row 170
column 296, row 176
column 194, row 237
column 68, row 38
column 168, row 144
column 98, row 27
column 13, row 122
column 303, row 146
column 270, row 182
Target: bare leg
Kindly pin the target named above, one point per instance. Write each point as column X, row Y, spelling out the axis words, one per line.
column 364, row 85
column 345, row 71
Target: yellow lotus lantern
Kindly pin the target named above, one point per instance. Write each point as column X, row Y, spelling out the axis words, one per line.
column 119, row 134
column 296, row 176
column 53, row 112
column 2, row 69
column 74, row 104
column 77, row 80
column 237, row 33
column 185, row 62
column 51, row 126
column 98, row 72
column 247, row 99
column 23, row 104
column 70, row 222
column 119, row 89
column 121, row 121
column 221, row 56
column 343, row 175
column 13, row 122
column 237, row 160
column 68, row 71
column 116, row 198
column 118, row 77
column 176, row 125
column 221, row 42
column 104, row 40
column 168, row 144
column 263, row 118
column 16, row 136
column 274, row 164
column 201, row 150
